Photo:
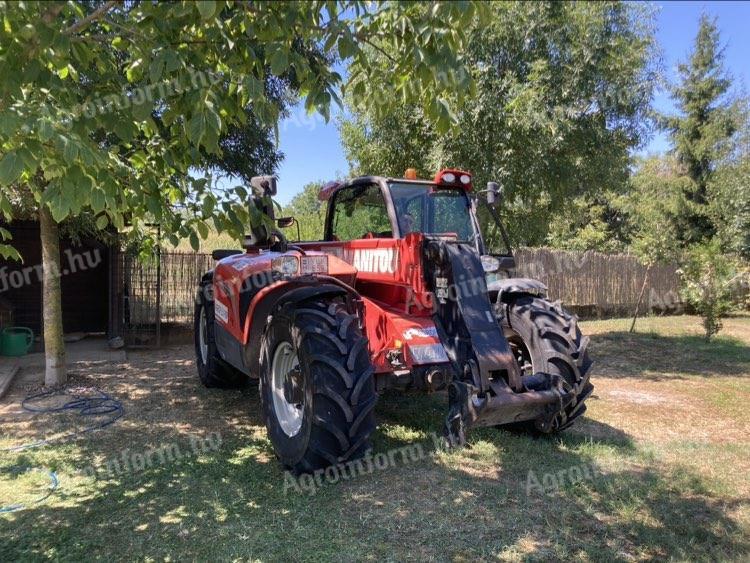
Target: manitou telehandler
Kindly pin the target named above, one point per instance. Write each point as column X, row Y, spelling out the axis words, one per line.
column 400, row 293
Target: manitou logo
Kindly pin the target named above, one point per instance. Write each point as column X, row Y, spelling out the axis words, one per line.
column 376, row 260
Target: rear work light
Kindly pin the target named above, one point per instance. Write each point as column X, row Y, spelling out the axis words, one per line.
column 458, row 178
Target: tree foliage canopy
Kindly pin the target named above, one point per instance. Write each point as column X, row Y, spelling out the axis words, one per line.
column 702, row 132
column 562, row 95
column 106, row 107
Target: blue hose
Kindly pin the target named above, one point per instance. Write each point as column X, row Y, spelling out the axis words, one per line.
column 54, row 483
column 100, row 405
column 85, row 405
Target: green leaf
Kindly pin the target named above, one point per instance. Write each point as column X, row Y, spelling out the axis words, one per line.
column 143, row 111
column 45, row 130
column 58, row 201
column 11, row 168
column 254, row 87
column 206, row 8
column 171, row 61
column 98, row 200
column 9, row 123
column 347, row 47
column 125, row 130
column 202, row 229
column 194, row 242
column 134, row 71
column 71, row 152
column 279, row 61
column 9, row 253
column 196, row 128
column 101, row 222
column 156, row 68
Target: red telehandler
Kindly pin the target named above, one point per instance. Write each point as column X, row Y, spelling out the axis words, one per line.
column 401, row 293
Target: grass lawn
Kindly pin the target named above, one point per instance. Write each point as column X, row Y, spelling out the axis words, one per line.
column 658, row 469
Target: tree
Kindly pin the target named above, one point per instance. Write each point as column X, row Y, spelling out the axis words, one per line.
column 653, row 205
column 309, row 211
column 107, row 110
column 701, row 134
column 591, row 222
column 561, row 96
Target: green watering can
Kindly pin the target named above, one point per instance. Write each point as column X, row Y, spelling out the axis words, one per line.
column 16, row 341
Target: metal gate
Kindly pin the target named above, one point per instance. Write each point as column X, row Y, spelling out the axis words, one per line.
column 141, row 300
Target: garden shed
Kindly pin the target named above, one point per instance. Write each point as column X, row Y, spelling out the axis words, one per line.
column 89, row 279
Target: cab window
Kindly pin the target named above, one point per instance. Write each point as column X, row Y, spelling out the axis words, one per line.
column 360, row 212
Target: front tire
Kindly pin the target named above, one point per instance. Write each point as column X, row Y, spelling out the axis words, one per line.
column 317, row 386
column 546, row 339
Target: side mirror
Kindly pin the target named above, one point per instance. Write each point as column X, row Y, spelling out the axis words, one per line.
column 493, row 192
column 286, row 222
column 263, row 185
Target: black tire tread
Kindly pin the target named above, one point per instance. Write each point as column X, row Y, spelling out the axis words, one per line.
column 561, row 346
column 215, row 373
column 328, row 339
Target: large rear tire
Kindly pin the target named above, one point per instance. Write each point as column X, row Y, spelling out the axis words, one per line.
column 546, row 339
column 212, row 371
column 316, row 386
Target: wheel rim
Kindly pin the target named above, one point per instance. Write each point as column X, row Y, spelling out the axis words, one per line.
column 202, row 337
column 520, row 352
column 288, row 414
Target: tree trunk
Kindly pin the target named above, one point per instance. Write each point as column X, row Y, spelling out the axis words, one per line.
column 640, row 298
column 54, row 347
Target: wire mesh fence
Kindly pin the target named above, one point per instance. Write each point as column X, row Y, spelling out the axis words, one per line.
column 159, row 292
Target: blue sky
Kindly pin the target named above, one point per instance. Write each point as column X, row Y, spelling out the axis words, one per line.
column 313, row 150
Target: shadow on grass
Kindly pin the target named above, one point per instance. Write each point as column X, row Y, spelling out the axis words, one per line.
column 655, row 357
column 234, row 503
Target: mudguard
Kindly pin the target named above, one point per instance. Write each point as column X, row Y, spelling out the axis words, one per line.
column 245, row 356
column 510, row 286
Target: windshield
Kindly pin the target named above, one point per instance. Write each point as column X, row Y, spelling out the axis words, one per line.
column 430, row 210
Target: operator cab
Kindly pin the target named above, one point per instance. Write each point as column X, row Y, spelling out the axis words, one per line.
column 376, row 207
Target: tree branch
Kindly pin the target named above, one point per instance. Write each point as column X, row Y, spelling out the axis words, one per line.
column 93, row 16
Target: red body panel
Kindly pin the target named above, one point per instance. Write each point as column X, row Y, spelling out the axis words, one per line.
column 385, row 272
column 253, row 270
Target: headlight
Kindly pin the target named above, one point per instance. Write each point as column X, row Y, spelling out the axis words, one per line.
column 449, row 177
column 465, row 179
column 490, row 264
column 285, row 265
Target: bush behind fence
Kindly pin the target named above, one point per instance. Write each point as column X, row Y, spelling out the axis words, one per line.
column 590, row 283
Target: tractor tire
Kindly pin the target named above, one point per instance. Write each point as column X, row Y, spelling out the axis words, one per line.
column 212, row 370
column 546, row 339
column 325, row 414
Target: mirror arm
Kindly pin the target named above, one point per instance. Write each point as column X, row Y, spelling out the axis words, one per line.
column 499, row 223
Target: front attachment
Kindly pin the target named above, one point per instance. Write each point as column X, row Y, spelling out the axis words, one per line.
column 488, row 388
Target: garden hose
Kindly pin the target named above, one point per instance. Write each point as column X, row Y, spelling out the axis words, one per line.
column 85, row 405
column 54, row 483
column 102, row 404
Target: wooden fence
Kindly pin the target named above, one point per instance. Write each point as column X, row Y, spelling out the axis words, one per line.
column 597, row 284
column 590, row 283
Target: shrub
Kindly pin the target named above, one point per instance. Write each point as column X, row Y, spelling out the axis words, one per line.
column 708, row 277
